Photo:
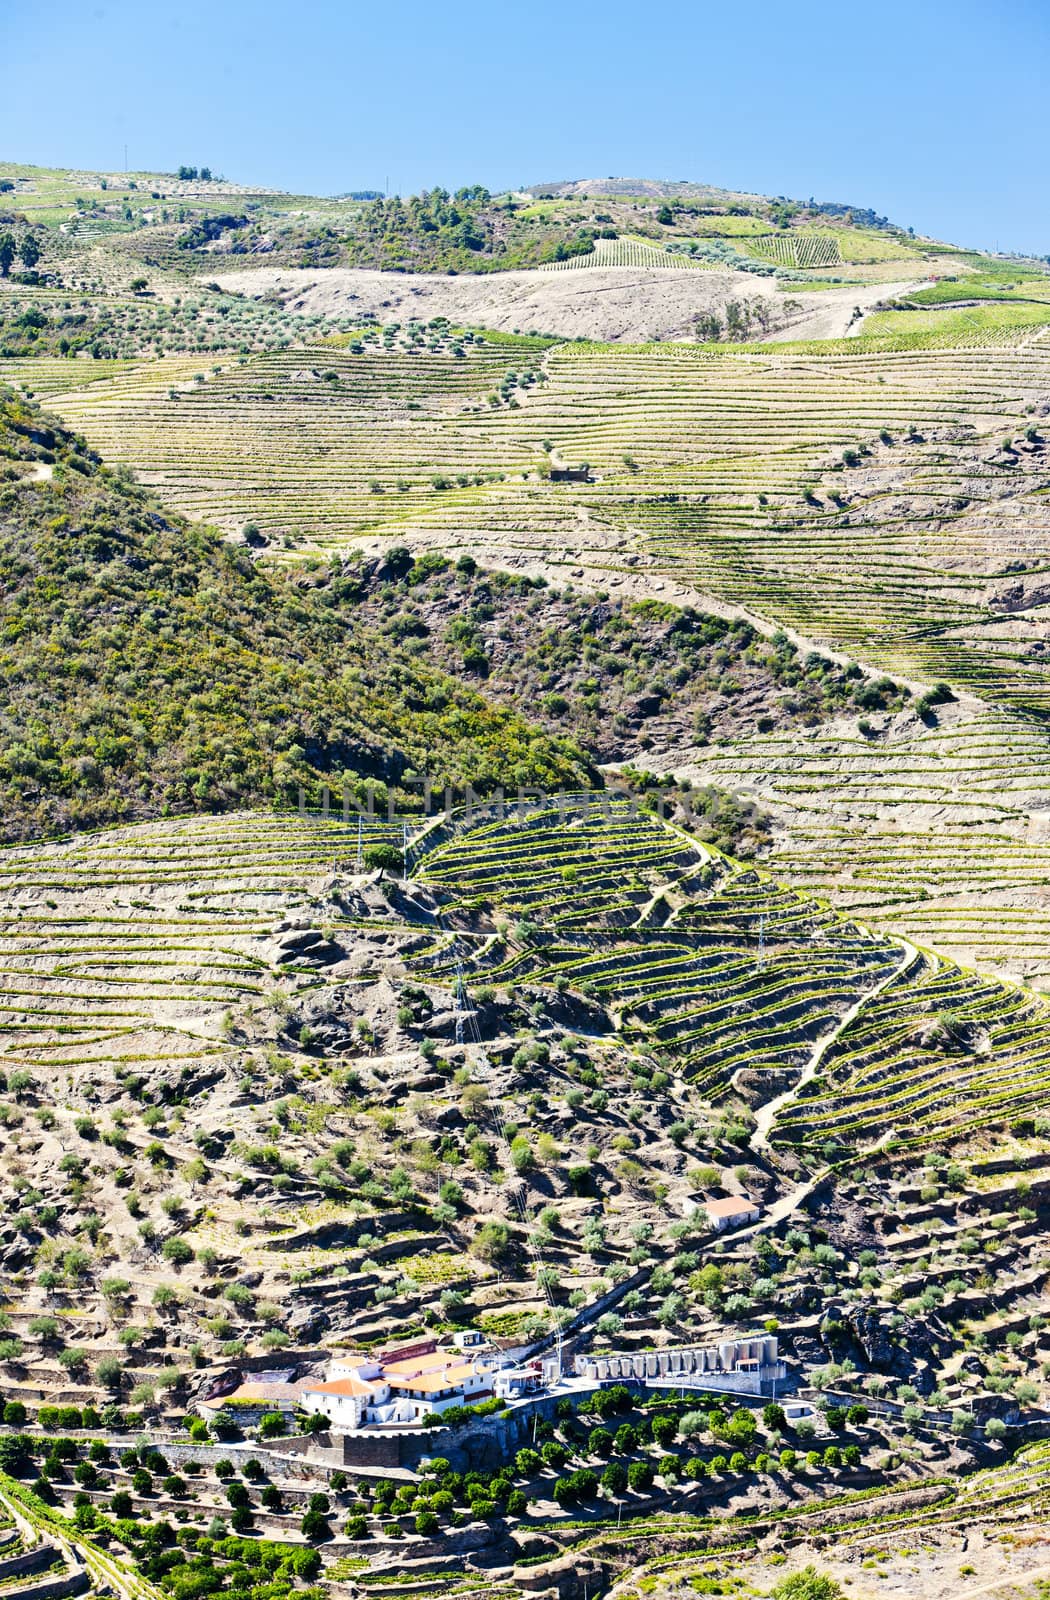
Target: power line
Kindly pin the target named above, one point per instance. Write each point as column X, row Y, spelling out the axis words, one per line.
column 466, row 1018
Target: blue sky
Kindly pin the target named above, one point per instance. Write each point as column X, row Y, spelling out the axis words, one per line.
column 929, row 110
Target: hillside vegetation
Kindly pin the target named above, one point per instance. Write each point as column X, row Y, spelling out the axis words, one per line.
column 185, row 224
column 474, row 800
column 620, row 677
column 150, row 666
column 874, row 499
column 242, row 1122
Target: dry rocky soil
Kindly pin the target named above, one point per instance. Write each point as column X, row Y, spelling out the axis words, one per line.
column 621, row 303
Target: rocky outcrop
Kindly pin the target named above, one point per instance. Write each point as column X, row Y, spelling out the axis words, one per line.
column 571, row 1576
column 1022, row 595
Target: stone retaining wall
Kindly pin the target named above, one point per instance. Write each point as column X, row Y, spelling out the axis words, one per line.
column 75, row 1582
column 35, row 1560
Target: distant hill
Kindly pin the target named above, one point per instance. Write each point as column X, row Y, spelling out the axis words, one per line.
column 656, row 188
column 117, row 229
column 707, row 194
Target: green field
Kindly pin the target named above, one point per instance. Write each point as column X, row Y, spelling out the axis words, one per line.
column 974, row 326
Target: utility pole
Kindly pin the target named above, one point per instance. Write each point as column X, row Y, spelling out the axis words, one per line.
column 459, row 1003
column 762, row 940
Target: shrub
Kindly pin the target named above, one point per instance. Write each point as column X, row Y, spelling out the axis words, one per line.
column 314, row 1526
column 664, row 1431
column 384, row 858
column 108, row 1371
column 808, row 1584
column 492, row 1242
column 564, row 1492
column 15, row 1453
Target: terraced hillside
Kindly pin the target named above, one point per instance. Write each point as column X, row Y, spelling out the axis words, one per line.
column 986, row 1534
column 703, row 464
column 264, row 1104
column 933, row 827
column 721, row 983
column 219, row 1033
column 888, row 505
column 305, row 1080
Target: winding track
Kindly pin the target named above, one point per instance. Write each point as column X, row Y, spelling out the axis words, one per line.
column 759, row 1143
column 766, row 1115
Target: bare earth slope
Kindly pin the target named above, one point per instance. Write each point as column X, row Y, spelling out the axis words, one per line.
column 604, row 303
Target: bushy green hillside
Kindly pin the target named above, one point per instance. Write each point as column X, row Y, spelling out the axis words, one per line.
column 621, row 677
column 148, row 665
column 147, row 222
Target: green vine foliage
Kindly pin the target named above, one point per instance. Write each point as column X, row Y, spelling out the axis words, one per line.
column 148, row 667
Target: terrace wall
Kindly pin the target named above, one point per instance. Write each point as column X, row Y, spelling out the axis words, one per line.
column 591, row 1313
column 36, row 1560
column 57, row 1588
